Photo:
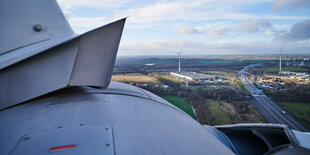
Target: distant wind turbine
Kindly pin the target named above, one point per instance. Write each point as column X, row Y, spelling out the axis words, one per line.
column 280, row 65
column 179, row 53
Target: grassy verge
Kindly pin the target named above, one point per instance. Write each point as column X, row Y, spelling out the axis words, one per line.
column 180, row 102
column 245, row 90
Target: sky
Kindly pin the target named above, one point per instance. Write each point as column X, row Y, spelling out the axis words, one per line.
column 199, row 27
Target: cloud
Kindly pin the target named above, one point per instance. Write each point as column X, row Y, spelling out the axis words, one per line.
column 86, row 21
column 93, row 3
column 254, row 26
column 187, row 30
column 149, row 14
column 289, row 4
column 167, row 11
column 222, row 16
column 299, row 31
column 214, row 32
column 193, row 47
column 188, row 10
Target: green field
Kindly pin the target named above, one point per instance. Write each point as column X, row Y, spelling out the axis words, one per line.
column 180, row 102
column 302, row 108
column 221, row 62
column 160, row 60
column 291, row 69
column 220, row 116
column 245, row 90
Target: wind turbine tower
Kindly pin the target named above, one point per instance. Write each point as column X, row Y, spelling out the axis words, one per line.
column 280, row 65
column 179, row 53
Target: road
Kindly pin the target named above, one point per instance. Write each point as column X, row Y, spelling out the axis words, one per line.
column 272, row 112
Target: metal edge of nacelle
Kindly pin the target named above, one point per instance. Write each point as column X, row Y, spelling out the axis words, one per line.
column 298, row 139
column 85, row 60
column 221, row 137
column 302, row 139
column 10, row 58
column 251, row 125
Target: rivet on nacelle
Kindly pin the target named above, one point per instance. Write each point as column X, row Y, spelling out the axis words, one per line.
column 37, row 27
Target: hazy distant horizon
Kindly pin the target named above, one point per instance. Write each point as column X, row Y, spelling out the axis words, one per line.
column 188, row 55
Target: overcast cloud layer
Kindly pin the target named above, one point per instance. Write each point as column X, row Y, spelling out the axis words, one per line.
column 200, row 26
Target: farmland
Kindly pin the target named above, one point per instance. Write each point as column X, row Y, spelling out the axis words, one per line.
column 135, row 78
column 214, row 103
column 221, row 112
column 302, row 108
column 222, row 62
column 291, row 69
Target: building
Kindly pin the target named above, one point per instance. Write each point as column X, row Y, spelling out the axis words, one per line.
column 193, row 76
column 303, row 75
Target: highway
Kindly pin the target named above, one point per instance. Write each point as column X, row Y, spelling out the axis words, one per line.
column 272, row 112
